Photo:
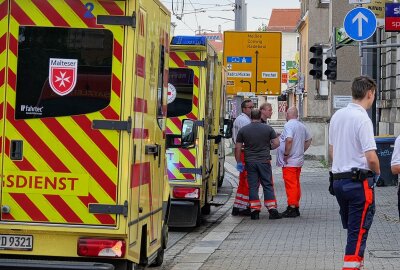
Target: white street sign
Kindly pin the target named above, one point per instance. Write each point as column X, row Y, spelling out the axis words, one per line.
column 269, row 75
column 239, row 74
column 356, row 2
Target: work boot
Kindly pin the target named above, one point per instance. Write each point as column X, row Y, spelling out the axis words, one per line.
column 246, row 212
column 290, row 212
column 235, row 211
column 274, row 214
column 255, row 214
column 298, row 211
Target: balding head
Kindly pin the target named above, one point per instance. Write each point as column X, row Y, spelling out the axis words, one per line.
column 292, row 113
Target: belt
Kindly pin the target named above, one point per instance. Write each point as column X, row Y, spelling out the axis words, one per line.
column 343, row 175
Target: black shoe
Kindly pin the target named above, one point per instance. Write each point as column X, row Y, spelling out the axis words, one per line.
column 290, row 212
column 255, row 214
column 297, row 211
column 274, row 214
column 246, row 212
column 235, row 211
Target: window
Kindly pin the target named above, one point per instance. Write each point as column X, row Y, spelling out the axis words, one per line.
column 62, row 71
column 160, row 89
column 180, row 91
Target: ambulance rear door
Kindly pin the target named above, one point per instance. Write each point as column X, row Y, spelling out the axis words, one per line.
column 62, row 112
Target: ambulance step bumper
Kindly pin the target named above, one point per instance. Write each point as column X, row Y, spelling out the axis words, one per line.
column 17, row 264
column 183, row 213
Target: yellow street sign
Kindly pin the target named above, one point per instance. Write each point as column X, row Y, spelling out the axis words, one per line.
column 254, row 60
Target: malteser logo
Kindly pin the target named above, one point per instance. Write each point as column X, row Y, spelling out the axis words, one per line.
column 63, row 75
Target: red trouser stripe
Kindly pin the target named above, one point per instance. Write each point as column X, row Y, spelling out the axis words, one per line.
column 291, row 177
column 368, row 202
column 242, row 193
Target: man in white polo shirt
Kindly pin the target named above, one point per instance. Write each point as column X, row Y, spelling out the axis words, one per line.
column 395, row 166
column 241, row 205
column 294, row 141
column 355, row 167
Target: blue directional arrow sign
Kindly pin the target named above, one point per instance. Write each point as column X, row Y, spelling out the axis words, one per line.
column 360, row 23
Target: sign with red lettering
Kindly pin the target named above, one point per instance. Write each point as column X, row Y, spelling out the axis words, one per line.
column 62, row 75
column 392, row 17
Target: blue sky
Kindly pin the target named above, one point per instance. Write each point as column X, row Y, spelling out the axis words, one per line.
column 194, row 15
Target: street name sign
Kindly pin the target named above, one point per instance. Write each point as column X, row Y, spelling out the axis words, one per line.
column 392, row 17
column 255, row 60
column 360, row 23
column 359, row 2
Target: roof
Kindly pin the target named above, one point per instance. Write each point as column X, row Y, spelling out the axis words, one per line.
column 284, row 20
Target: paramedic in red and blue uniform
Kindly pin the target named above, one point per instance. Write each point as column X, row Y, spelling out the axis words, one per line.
column 355, row 167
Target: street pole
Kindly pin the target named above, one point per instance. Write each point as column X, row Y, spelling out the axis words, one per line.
column 240, row 15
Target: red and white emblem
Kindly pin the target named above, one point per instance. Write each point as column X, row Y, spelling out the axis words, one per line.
column 63, row 75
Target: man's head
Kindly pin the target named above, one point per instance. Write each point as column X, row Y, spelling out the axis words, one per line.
column 247, row 106
column 255, row 115
column 266, row 110
column 292, row 113
column 363, row 89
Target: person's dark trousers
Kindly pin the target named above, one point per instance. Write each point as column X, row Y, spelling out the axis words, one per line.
column 357, row 209
column 260, row 173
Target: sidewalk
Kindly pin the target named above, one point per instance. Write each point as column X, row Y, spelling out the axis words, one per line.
column 313, row 241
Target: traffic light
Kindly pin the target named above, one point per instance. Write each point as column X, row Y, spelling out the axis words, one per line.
column 331, row 68
column 316, row 61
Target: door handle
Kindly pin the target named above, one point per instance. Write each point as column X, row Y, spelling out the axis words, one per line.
column 16, row 148
column 151, row 149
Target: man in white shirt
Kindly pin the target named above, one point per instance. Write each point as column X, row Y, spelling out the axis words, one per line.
column 294, row 141
column 355, row 167
column 241, row 205
column 395, row 166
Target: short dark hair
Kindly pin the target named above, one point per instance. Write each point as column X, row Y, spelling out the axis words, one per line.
column 255, row 114
column 361, row 85
column 244, row 103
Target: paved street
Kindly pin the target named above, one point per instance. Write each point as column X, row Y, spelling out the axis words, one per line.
column 315, row 240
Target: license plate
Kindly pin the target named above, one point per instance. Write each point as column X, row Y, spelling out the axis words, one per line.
column 16, row 242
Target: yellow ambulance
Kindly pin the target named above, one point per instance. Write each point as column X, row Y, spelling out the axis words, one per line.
column 83, row 111
column 195, row 106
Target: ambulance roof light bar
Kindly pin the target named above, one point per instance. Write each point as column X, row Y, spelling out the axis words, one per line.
column 189, row 40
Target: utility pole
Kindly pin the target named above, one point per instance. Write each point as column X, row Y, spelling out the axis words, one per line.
column 240, row 15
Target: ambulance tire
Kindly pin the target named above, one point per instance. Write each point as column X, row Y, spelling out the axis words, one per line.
column 206, row 209
column 159, row 259
column 220, row 177
column 198, row 218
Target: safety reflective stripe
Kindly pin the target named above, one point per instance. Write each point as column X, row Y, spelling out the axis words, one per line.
column 239, row 206
column 255, row 204
column 245, row 203
column 270, row 204
column 351, row 265
column 242, row 196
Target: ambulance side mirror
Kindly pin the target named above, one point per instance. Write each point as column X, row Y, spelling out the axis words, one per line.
column 188, row 135
column 228, row 126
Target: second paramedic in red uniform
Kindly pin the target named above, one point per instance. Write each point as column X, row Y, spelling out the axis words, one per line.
column 355, row 167
column 241, row 204
column 258, row 139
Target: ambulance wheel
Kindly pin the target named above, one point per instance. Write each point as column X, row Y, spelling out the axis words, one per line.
column 198, row 217
column 206, row 209
column 159, row 259
column 220, row 177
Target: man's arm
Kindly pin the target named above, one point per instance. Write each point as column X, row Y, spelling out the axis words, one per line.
column 307, row 144
column 238, row 150
column 331, row 151
column 395, row 169
column 275, row 143
column 288, row 146
column 373, row 161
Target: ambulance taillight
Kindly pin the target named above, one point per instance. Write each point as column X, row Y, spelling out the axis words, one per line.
column 92, row 247
column 186, row 192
